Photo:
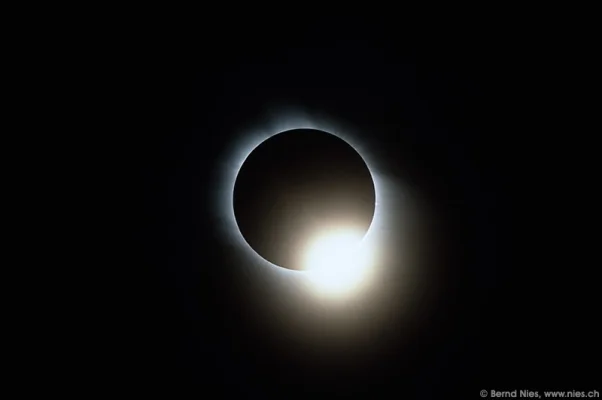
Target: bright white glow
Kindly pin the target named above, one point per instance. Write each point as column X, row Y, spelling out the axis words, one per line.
column 280, row 121
column 349, row 290
column 338, row 262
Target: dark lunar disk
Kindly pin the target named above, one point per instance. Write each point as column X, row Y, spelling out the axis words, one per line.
column 296, row 184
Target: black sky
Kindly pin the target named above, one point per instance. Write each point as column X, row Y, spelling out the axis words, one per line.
column 441, row 110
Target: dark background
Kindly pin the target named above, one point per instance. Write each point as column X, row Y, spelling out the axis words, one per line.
column 447, row 108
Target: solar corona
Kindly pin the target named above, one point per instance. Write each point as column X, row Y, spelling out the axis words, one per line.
column 334, row 254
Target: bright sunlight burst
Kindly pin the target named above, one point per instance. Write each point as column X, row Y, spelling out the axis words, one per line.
column 337, row 261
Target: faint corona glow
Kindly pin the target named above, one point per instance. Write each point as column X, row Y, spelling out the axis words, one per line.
column 285, row 120
column 351, row 281
column 337, row 262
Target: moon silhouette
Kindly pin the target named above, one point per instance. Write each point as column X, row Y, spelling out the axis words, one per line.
column 296, row 184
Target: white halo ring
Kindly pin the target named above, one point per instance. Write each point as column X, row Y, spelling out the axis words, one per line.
column 285, row 121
